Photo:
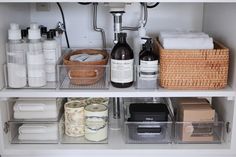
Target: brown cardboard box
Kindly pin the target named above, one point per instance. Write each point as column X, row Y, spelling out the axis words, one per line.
column 195, row 110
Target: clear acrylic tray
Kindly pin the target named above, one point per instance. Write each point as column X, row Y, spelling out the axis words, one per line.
column 199, row 132
column 41, row 115
column 148, row 132
column 145, row 82
column 84, row 76
column 81, row 139
column 22, row 82
column 47, row 132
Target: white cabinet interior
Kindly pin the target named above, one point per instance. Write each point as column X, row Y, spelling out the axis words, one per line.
column 217, row 19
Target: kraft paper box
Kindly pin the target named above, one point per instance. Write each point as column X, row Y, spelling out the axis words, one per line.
column 196, row 110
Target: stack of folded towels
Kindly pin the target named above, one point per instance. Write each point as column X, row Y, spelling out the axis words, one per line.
column 38, row 132
column 35, row 109
column 185, row 40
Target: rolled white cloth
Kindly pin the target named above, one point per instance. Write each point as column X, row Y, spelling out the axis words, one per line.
column 187, row 43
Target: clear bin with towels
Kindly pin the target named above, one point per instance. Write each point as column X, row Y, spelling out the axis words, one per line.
column 33, row 132
column 32, row 109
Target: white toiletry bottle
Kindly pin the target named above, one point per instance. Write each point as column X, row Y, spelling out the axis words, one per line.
column 50, row 50
column 16, row 58
column 35, row 58
column 138, row 42
column 58, row 38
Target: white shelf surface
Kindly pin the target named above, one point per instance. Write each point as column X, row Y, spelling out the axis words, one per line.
column 126, row 1
column 116, row 92
column 114, row 147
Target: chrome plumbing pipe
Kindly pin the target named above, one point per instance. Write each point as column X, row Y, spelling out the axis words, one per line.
column 145, row 18
column 96, row 28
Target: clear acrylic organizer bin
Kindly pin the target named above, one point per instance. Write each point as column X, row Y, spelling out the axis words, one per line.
column 199, row 132
column 35, row 109
column 84, row 133
column 147, row 132
column 33, row 132
column 36, row 79
column 145, row 82
column 84, row 76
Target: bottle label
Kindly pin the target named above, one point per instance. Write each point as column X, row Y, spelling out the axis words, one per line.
column 50, row 56
column 148, row 70
column 122, row 70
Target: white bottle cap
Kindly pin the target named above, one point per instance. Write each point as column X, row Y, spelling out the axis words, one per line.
column 34, row 31
column 14, row 33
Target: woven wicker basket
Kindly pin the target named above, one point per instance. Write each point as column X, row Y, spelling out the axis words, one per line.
column 85, row 73
column 193, row 69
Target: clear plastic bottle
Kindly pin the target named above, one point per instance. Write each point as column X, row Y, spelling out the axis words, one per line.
column 50, row 50
column 16, row 58
column 58, row 38
column 35, row 58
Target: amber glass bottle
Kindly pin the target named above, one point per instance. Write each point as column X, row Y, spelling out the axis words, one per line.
column 122, row 63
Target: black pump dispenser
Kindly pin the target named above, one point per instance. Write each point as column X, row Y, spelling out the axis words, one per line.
column 148, row 44
column 50, row 35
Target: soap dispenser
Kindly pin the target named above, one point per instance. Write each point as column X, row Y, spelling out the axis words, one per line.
column 35, row 58
column 16, row 58
column 148, row 66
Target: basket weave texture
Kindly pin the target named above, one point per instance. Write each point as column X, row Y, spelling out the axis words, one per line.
column 193, row 69
column 85, row 73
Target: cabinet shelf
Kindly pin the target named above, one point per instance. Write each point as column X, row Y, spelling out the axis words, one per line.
column 205, row 1
column 115, row 92
column 115, row 145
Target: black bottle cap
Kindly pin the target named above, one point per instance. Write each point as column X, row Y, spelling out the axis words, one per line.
column 54, row 31
column 24, row 33
column 50, row 35
column 148, row 44
column 43, row 30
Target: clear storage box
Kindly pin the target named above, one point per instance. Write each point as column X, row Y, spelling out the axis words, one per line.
column 93, row 133
column 33, row 132
column 84, row 76
column 35, row 109
column 144, row 81
column 37, row 79
column 147, row 132
column 199, row 132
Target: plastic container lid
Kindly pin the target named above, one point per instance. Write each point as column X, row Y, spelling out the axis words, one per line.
column 34, row 31
column 14, row 33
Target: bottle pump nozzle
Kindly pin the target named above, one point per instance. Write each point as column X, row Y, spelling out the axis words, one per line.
column 148, row 44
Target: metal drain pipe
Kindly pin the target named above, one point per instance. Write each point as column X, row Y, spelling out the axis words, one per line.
column 95, row 5
column 145, row 18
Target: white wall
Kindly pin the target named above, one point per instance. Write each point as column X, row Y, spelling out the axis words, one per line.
column 79, row 20
column 219, row 21
column 18, row 13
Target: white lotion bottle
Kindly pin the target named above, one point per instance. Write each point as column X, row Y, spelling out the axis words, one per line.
column 35, row 58
column 16, row 58
column 50, row 50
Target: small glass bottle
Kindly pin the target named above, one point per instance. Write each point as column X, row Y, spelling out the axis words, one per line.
column 122, row 62
column 148, row 66
column 35, row 58
column 16, row 58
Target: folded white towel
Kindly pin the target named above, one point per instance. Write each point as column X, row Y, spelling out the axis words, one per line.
column 38, row 129
column 38, row 137
column 35, row 105
column 187, row 43
column 86, row 57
